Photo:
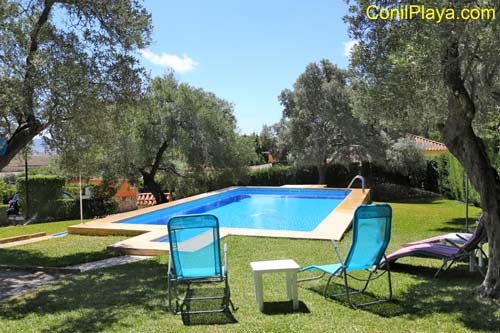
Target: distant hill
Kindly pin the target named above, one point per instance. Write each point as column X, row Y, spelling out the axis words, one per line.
column 39, row 158
column 39, row 147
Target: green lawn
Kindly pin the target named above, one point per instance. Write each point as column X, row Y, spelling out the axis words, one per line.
column 132, row 298
column 49, row 228
column 60, row 252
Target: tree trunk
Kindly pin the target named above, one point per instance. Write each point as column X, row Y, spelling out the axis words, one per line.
column 20, row 139
column 150, row 185
column 469, row 149
column 29, row 125
column 321, row 173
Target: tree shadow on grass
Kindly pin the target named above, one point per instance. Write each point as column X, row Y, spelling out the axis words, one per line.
column 451, row 296
column 19, row 257
column 457, row 225
column 451, row 293
column 96, row 301
column 418, row 201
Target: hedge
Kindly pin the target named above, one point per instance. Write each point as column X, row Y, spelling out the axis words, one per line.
column 3, row 215
column 44, row 193
column 7, row 191
column 451, row 178
column 444, row 175
column 69, row 209
column 274, row 176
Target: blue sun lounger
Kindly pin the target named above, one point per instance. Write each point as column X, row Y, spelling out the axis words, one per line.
column 195, row 258
column 371, row 235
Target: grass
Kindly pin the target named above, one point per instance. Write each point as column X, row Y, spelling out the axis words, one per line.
column 49, row 228
column 132, row 298
column 60, row 252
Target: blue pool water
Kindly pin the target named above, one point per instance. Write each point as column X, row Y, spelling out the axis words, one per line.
column 257, row 208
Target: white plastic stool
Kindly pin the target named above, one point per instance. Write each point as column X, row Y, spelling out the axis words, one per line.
column 289, row 266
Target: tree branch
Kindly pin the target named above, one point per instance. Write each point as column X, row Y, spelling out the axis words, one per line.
column 28, row 114
column 159, row 156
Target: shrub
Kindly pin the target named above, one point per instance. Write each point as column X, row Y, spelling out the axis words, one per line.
column 7, row 191
column 98, row 207
column 408, row 160
column 74, row 190
column 451, row 179
column 44, row 193
column 274, row 176
column 3, row 215
column 69, row 209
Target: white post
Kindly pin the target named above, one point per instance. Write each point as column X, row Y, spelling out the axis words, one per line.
column 81, row 199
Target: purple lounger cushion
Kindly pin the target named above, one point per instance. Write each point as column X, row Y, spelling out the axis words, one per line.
column 455, row 237
column 439, row 251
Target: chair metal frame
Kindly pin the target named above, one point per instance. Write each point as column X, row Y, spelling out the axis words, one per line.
column 342, row 272
column 448, row 262
column 468, row 249
column 174, row 281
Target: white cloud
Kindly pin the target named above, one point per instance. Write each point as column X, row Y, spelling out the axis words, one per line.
column 178, row 64
column 348, row 46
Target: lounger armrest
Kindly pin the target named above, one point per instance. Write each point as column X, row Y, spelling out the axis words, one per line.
column 461, row 237
column 453, row 243
column 337, row 251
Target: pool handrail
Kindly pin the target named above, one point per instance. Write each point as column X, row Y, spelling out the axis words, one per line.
column 362, row 182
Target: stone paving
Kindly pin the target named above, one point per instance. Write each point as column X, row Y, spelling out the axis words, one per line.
column 26, row 241
column 115, row 261
column 16, row 282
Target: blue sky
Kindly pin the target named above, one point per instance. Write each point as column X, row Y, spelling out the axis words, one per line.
column 245, row 51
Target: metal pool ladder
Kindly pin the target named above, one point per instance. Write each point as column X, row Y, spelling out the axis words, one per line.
column 362, row 182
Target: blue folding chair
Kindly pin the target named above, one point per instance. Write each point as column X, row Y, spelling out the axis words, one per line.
column 195, row 258
column 371, row 235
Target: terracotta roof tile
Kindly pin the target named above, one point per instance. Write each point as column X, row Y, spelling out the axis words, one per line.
column 430, row 145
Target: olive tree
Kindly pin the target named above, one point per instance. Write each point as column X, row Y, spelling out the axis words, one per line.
column 416, row 75
column 321, row 127
column 60, row 59
column 172, row 130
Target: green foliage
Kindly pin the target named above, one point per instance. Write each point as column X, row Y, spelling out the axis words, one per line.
column 248, row 151
column 43, row 194
column 268, row 139
column 172, row 130
column 452, row 179
column 322, row 128
column 3, row 215
column 274, row 176
column 406, row 86
column 68, row 209
column 45, row 197
column 93, row 208
column 408, row 160
column 7, row 191
column 63, row 62
column 100, row 204
column 182, row 187
column 74, row 189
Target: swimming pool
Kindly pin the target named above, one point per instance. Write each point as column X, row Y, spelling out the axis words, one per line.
column 257, row 208
column 276, row 213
